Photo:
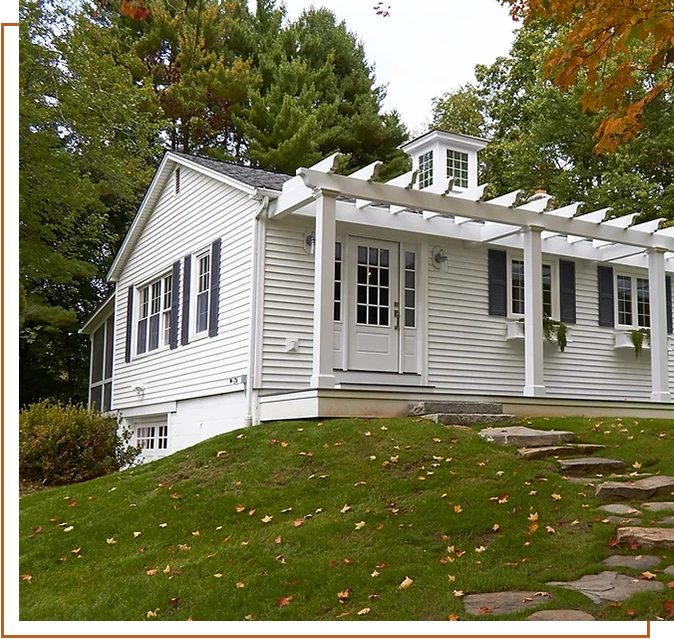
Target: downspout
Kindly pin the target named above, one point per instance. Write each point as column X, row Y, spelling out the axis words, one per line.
column 255, row 270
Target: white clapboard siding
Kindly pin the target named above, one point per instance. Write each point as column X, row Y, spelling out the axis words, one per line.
column 183, row 224
column 468, row 352
column 288, row 307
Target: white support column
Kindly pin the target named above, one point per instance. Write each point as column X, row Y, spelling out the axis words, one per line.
column 533, row 313
column 324, row 277
column 658, row 306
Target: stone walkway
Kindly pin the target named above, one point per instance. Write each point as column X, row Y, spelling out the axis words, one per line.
column 609, row 586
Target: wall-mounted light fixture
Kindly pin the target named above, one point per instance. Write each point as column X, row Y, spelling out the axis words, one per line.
column 310, row 242
column 439, row 257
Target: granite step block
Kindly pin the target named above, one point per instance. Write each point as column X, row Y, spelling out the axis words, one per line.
column 646, row 488
column 471, row 419
column 527, row 437
column 566, row 450
column 579, row 466
column 432, row 408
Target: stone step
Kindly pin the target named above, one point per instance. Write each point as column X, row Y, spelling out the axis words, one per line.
column 471, row 419
column 640, row 489
column 583, row 465
column 560, row 614
column 528, row 437
column 434, row 407
column 646, row 537
column 567, row 450
column 619, row 509
column 609, row 586
column 640, row 562
column 658, row 506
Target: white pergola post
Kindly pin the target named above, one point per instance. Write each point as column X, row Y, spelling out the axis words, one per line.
column 324, row 276
column 658, row 306
column 533, row 313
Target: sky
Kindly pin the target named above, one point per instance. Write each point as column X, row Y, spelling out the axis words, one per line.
column 425, row 47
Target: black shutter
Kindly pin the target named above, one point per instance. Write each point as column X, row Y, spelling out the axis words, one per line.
column 668, row 297
column 185, row 324
column 605, row 282
column 129, row 324
column 498, row 283
column 175, row 303
column 567, row 292
column 215, row 289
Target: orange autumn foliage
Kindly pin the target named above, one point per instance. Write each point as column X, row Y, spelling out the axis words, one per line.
column 614, row 46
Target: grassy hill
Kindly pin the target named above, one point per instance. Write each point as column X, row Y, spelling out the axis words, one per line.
column 324, row 520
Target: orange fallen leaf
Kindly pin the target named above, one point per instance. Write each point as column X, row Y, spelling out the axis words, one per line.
column 458, row 509
column 556, row 496
column 458, row 593
column 344, row 594
column 174, row 601
column 267, row 518
column 151, row 572
column 27, row 577
column 240, row 584
column 484, row 610
column 648, row 575
column 453, row 617
column 279, row 539
column 240, row 508
column 167, row 570
column 152, row 613
column 630, row 612
column 297, row 523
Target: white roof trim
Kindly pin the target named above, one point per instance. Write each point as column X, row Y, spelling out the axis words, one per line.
column 99, row 316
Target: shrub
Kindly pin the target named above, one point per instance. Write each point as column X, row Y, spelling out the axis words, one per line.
column 65, row 444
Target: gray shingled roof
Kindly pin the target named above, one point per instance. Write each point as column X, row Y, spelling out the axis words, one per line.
column 258, row 178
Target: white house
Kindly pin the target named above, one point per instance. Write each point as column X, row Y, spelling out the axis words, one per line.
column 244, row 295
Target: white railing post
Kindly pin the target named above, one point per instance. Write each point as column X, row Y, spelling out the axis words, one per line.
column 658, row 309
column 324, row 276
column 534, row 385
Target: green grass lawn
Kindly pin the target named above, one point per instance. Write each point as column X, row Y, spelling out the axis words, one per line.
column 323, row 520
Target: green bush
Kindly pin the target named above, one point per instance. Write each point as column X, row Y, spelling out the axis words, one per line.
column 65, row 444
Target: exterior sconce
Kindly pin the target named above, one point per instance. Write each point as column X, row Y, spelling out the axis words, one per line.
column 439, row 257
column 310, row 242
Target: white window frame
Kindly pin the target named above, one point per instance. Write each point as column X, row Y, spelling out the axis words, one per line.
column 425, row 168
column 197, row 279
column 554, row 286
column 457, row 160
column 152, row 438
column 634, row 305
column 165, row 303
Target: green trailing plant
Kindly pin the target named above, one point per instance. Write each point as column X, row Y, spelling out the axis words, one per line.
column 554, row 329
column 637, row 336
column 65, row 444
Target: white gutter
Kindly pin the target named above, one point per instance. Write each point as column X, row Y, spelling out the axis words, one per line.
column 255, row 287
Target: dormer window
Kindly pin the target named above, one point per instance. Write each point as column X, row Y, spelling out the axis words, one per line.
column 425, row 170
column 457, row 166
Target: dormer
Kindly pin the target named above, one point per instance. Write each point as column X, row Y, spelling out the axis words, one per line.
column 437, row 155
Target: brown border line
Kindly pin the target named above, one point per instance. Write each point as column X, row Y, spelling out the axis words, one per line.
column 2, row 452
column 2, row 321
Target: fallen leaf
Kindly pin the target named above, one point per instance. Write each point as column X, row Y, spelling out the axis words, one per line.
column 67, row 529
column 550, row 529
column 152, row 613
column 630, row 612
column 345, row 509
column 163, row 525
column 670, row 584
column 240, row 584
column 297, row 523
column 636, row 465
column 183, row 547
column 167, row 570
column 669, row 606
column 348, row 560
column 453, row 617
column 111, row 540
column 451, row 577
column 458, row 593
column 480, row 549
column 495, row 527
column 267, row 518
column 362, row 612
column 284, row 444
column 195, row 533
column 27, row 577
column 360, row 524
column 221, row 453
column 344, row 594
column 375, row 573
column 251, row 512
column 556, row 496
column 458, row 509
column 648, row 575
column 484, row 610
column 152, row 572
column 613, row 542
column 217, row 575
column 503, row 498
column 406, row 583
column 240, row 508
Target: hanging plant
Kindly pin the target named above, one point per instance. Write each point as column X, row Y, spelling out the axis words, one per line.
column 554, row 329
column 638, row 335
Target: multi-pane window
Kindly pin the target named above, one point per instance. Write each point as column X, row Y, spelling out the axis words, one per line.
column 457, row 166
column 102, row 353
column 152, row 437
column 373, row 286
column 425, row 170
column 410, row 289
column 338, row 282
column 154, row 315
column 631, row 290
column 517, row 288
column 203, row 290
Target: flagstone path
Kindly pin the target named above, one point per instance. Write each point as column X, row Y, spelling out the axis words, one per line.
column 608, row 586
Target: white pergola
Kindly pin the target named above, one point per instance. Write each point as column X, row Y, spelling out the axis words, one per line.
column 450, row 213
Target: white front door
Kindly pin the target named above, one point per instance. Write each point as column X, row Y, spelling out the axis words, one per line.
column 373, row 306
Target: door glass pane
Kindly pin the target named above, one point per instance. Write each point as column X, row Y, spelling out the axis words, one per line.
column 372, row 292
